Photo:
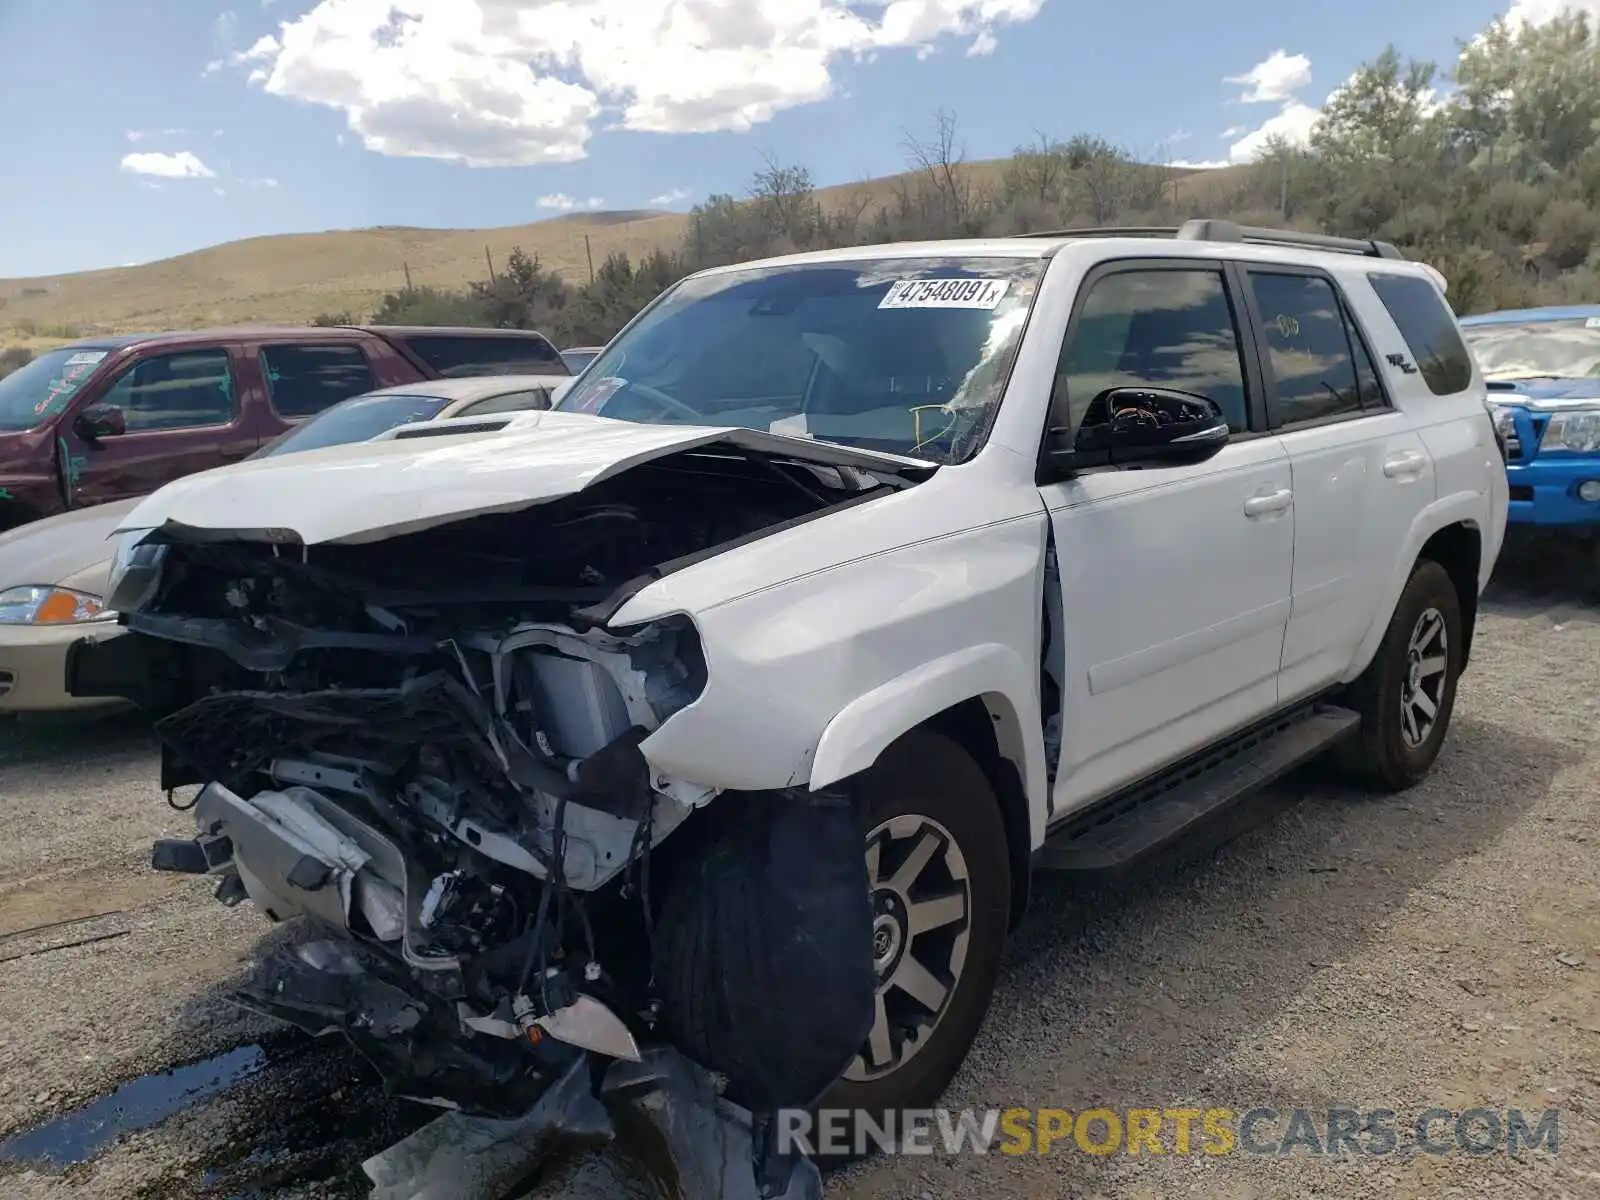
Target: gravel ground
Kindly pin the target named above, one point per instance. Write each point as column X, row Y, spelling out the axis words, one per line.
column 1440, row 948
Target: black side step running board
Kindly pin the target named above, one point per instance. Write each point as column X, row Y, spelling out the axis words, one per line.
column 1119, row 831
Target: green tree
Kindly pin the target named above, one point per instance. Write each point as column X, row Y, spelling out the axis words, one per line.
column 1529, row 95
column 596, row 312
column 1386, row 113
column 431, row 306
column 522, row 296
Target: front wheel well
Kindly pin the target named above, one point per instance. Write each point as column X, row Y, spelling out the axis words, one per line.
column 975, row 725
column 1458, row 549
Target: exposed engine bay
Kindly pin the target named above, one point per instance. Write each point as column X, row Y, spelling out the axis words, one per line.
column 428, row 746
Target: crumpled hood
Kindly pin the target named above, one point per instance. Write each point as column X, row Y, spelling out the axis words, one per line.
column 57, row 549
column 369, row 491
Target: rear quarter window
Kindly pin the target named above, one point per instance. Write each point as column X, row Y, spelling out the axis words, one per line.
column 455, row 356
column 1429, row 329
column 302, row 380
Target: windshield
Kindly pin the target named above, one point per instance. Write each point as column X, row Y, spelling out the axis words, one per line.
column 353, row 420
column 1568, row 349
column 903, row 355
column 33, row 393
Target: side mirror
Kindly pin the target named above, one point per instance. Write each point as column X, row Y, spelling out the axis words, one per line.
column 100, row 421
column 1148, row 427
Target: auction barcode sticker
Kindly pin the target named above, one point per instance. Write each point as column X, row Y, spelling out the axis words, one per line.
column 946, row 293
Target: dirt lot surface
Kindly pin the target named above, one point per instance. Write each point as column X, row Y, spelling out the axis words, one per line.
column 1437, row 949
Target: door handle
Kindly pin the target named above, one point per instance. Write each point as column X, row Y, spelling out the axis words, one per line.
column 1407, row 464
column 1269, row 502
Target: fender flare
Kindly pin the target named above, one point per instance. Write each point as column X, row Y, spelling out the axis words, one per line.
column 1462, row 508
column 861, row 731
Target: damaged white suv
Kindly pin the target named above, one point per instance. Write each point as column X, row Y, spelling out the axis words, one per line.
column 730, row 705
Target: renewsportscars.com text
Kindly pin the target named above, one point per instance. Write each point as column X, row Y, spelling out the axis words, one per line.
column 1175, row 1131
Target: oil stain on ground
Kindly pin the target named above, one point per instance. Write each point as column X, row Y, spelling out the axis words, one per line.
column 78, row 1136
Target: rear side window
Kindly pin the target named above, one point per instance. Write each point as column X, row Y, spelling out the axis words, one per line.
column 454, row 356
column 303, row 380
column 188, row 390
column 1429, row 328
column 1308, row 346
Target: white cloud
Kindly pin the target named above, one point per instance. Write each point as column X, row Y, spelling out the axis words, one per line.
column 182, row 165
column 669, row 198
column 1212, row 165
column 134, row 135
column 1537, row 12
column 565, row 203
column 224, row 32
column 1293, row 123
column 983, row 45
column 1274, row 79
column 522, row 82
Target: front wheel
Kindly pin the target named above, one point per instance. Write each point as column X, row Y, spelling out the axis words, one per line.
column 939, row 873
column 1408, row 692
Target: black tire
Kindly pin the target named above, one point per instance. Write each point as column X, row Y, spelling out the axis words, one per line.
column 927, row 777
column 1392, row 753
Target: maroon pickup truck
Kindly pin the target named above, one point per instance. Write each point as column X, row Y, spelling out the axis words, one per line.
column 109, row 418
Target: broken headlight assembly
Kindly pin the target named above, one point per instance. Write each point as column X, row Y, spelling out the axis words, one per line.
column 135, row 571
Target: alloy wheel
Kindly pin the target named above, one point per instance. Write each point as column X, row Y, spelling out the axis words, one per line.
column 922, row 915
column 1426, row 675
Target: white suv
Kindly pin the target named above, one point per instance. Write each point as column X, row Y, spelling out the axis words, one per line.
column 983, row 557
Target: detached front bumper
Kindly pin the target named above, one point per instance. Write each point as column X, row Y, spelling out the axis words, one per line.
column 33, row 667
column 1545, row 492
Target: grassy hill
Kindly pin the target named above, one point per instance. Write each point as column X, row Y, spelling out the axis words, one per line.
column 292, row 277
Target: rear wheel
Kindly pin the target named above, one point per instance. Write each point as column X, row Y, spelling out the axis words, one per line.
column 1407, row 694
column 939, row 874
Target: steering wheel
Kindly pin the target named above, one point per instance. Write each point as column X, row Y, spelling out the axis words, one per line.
column 669, row 403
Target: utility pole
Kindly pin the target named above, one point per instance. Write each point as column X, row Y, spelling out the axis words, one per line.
column 490, row 261
column 407, row 267
column 589, row 253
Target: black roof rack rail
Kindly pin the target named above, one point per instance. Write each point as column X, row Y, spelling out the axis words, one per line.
column 1205, row 230
column 1108, row 231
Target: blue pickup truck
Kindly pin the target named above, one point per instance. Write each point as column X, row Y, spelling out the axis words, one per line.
column 1542, row 366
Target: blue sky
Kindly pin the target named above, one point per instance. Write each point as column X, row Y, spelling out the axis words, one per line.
column 155, row 129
